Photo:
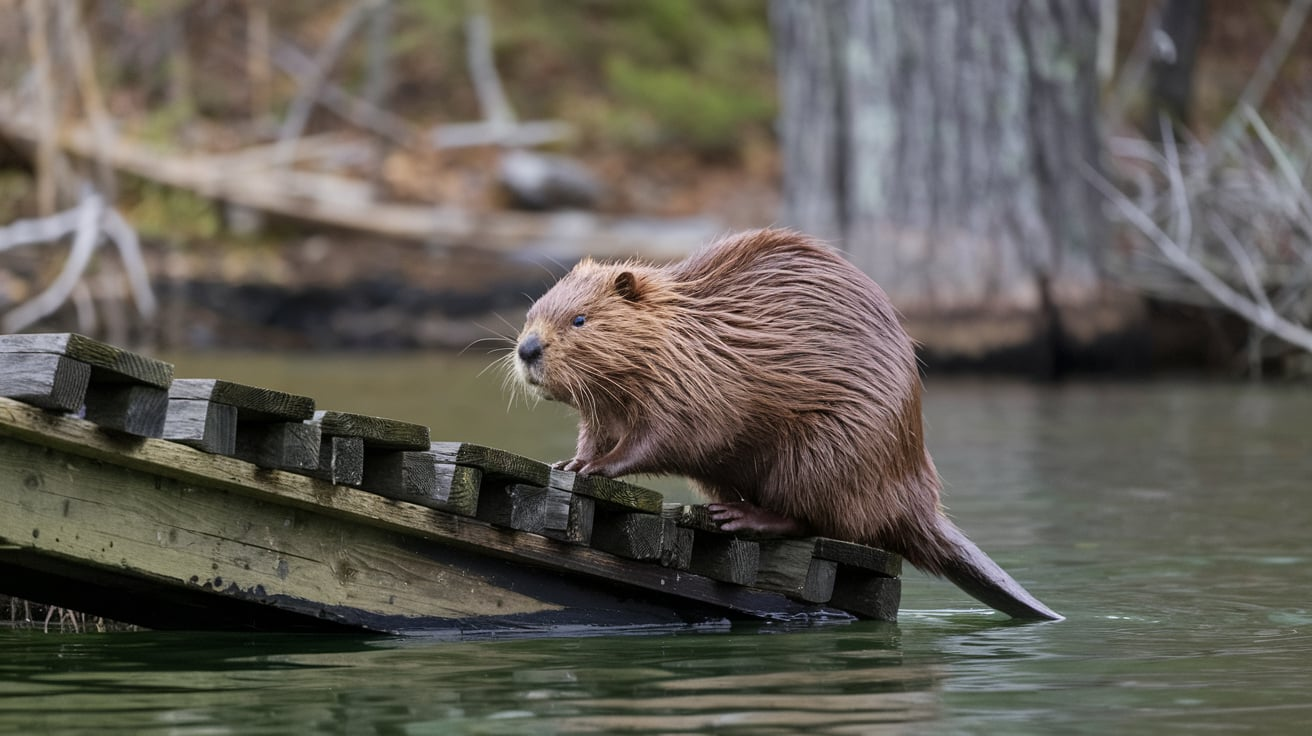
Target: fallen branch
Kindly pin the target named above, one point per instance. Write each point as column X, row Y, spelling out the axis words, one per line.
column 89, row 221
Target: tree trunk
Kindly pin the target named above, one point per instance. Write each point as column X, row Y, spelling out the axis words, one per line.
column 1182, row 23
column 944, row 145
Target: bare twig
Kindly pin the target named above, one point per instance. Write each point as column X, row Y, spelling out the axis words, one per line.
column 354, row 110
column 93, row 101
column 84, row 243
column 47, row 150
column 88, row 221
column 1134, row 69
column 483, row 67
column 1106, row 62
column 1283, row 163
column 298, row 114
column 258, row 70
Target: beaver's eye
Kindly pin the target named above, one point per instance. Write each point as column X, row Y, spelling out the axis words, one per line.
column 578, row 320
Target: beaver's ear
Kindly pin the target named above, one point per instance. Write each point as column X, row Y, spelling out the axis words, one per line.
column 628, row 286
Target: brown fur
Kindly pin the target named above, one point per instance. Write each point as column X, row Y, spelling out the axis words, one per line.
column 767, row 369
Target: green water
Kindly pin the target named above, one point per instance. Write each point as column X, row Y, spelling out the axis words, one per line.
column 1172, row 523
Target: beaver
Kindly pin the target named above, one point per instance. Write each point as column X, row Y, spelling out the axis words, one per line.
column 775, row 376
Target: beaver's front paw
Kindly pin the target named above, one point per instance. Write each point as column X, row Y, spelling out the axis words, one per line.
column 572, row 465
column 737, row 516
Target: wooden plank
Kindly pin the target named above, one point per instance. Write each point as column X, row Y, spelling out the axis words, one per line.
column 725, row 558
column 378, row 433
column 639, row 536
column 50, row 381
column 253, row 404
column 614, row 492
column 341, row 460
column 790, row 567
column 517, row 506
column 109, row 364
column 420, row 478
column 133, row 408
column 494, row 463
column 690, row 516
column 204, row 425
column 281, row 445
column 172, row 460
column 860, row 556
column 866, row 593
column 569, row 516
column 231, row 544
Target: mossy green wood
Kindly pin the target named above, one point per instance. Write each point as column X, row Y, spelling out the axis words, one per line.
column 205, row 538
column 178, row 462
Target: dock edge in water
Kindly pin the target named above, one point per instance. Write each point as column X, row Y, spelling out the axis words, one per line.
column 207, row 504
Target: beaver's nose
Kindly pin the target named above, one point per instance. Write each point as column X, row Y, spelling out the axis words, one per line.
column 530, row 349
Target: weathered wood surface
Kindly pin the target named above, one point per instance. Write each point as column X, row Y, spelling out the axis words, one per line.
column 341, row 460
column 253, row 404
column 50, row 381
column 867, row 594
column 132, row 408
column 204, row 425
column 282, row 445
column 209, row 474
column 202, row 538
column 547, row 511
column 494, row 463
column 109, row 363
column 378, row 433
column 609, row 490
column 420, row 478
column 721, row 557
column 611, row 543
column 645, row 537
column 860, row 556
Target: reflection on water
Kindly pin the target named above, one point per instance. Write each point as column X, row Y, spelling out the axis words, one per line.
column 745, row 680
column 1168, row 522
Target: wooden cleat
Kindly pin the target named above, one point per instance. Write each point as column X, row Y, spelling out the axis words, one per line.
column 377, row 433
column 205, row 425
column 50, row 381
column 252, row 404
column 108, row 363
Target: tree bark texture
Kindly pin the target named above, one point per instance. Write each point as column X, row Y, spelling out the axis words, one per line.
column 1174, row 57
column 944, row 145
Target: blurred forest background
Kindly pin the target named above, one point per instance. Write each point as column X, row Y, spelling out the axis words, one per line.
column 1044, row 188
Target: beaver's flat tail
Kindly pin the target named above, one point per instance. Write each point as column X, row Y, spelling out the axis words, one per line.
column 971, row 570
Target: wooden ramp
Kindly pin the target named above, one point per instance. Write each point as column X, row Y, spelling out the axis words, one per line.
column 205, row 504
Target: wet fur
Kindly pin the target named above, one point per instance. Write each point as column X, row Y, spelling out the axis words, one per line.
column 765, row 368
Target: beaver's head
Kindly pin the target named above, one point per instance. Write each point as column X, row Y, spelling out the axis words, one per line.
column 586, row 338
